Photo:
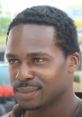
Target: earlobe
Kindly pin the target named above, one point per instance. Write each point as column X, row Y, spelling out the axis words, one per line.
column 73, row 62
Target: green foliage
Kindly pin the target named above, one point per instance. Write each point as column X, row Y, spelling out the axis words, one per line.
column 2, row 39
column 77, row 76
column 4, row 22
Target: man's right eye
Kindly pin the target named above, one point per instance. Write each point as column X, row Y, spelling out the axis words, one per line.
column 13, row 61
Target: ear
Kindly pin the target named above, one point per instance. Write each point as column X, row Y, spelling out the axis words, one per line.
column 73, row 62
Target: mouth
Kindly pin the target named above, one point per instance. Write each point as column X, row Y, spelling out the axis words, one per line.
column 27, row 92
column 28, row 89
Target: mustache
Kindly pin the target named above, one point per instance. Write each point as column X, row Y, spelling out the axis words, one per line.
column 26, row 84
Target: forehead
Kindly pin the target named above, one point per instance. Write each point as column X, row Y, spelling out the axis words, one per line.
column 31, row 37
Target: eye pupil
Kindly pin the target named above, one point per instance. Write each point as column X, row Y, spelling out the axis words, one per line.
column 40, row 60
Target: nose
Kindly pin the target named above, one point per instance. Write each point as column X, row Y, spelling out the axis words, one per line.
column 24, row 73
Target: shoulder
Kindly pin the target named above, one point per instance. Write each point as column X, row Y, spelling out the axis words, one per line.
column 14, row 112
column 7, row 115
column 79, row 110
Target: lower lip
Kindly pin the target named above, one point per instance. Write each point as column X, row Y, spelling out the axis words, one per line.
column 27, row 96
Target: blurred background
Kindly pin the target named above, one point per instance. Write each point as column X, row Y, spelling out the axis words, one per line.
column 8, row 10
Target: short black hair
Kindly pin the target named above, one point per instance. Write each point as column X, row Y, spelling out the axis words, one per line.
column 47, row 15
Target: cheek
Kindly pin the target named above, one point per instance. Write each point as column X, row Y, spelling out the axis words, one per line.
column 50, row 73
column 56, row 83
column 53, row 77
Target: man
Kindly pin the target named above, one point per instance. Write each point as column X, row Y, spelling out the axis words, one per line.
column 43, row 54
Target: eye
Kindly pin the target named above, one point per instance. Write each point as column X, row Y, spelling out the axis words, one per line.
column 13, row 61
column 39, row 60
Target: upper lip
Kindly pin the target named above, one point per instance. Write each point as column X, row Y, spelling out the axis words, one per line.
column 28, row 89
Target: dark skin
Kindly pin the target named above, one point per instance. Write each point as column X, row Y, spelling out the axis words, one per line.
column 41, row 76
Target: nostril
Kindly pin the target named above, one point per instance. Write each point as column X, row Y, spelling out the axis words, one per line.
column 27, row 75
column 23, row 75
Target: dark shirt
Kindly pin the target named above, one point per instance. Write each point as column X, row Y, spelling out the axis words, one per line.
column 78, row 111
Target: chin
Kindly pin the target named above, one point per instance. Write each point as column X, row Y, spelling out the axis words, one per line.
column 29, row 107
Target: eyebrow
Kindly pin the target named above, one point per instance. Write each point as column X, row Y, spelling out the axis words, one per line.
column 37, row 54
column 33, row 54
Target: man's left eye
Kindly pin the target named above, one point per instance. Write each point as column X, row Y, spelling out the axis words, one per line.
column 39, row 60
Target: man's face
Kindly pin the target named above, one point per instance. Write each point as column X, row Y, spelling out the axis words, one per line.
column 38, row 68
